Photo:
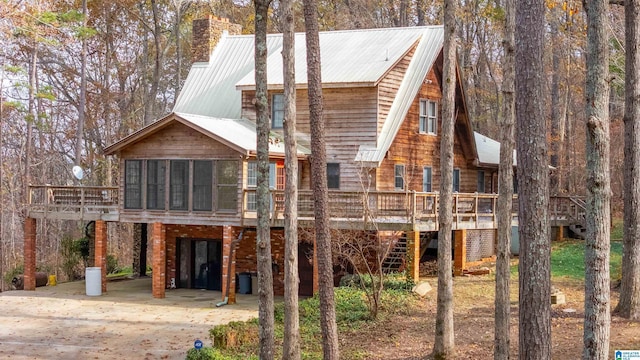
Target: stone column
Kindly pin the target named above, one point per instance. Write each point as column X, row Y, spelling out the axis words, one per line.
column 29, row 254
column 158, row 235
column 100, row 255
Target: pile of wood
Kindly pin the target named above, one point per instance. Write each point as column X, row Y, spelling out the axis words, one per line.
column 41, row 280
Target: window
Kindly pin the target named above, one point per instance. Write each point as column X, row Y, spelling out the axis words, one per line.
column 156, row 173
column 133, row 184
column 277, row 111
column 456, row 180
column 227, row 188
column 179, row 185
column 252, row 175
column 399, row 177
column 202, row 185
column 333, row 175
column 428, row 117
column 427, row 174
column 481, row 183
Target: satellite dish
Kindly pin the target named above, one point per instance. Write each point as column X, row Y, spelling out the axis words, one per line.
column 78, row 172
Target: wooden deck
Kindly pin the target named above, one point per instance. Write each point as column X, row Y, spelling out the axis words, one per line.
column 381, row 210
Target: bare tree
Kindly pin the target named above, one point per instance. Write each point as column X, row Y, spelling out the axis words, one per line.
column 291, row 346
column 444, row 345
column 505, row 189
column 597, row 316
column 83, row 90
column 533, row 184
column 629, row 304
column 319, row 184
column 263, row 248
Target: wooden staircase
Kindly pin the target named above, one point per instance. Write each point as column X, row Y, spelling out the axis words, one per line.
column 398, row 255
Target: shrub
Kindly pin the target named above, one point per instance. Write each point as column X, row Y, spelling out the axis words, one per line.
column 112, row 264
column 234, row 334
column 390, row 282
column 209, row 353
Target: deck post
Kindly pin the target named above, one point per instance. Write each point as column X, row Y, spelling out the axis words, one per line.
column 29, row 254
column 413, row 254
column 100, row 251
column 460, row 251
column 228, row 276
column 158, row 234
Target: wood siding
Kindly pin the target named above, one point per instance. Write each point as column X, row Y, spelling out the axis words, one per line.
column 415, row 150
column 389, row 85
column 351, row 118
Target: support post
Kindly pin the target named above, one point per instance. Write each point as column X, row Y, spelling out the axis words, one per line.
column 560, row 233
column 413, row 254
column 460, row 251
column 228, row 275
column 29, row 254
column 158, row 234
column 100, row 254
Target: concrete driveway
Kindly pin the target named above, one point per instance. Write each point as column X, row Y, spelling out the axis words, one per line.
column 61, row 322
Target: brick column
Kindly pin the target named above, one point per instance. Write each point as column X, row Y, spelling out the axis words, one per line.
column 158, row 236
column 460, row 251
column 413, row 254
column 559, row 233
column 228, row 236
column 29, row 254
column 100, row 255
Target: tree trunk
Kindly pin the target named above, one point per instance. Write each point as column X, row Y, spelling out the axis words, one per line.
column 444, row 345
column 83, row 92
column 291, row 346
column 150, row 104
column 144, row 238
column 533, row 184
column 629, row 304
column 597, row 316
column 263, row 248
column 31, row 117
column 319, row 185
column 505, row 190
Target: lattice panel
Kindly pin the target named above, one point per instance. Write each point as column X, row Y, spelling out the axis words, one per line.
column 480, row 244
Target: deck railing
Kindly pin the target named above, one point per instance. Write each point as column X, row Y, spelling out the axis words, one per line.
column 73, row 201
column 469, row 210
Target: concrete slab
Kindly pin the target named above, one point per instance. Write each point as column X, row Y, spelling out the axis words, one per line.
column 61, row 322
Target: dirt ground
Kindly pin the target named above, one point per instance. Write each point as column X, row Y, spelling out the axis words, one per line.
column 411, row 336
column 61, row 322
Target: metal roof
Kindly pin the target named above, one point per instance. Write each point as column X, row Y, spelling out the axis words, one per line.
column 421, row 62
column 239, row 132
column 210, row 87
column 348, row 57
column 489, row 150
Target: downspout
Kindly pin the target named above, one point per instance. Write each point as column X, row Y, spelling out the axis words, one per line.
column 232, row 249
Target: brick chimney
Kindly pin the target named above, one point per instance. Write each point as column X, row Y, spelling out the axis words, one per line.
column 206, row 34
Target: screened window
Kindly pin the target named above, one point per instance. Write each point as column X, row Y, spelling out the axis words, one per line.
column 428, row 117
column 179, row 185
column 227, row 187
column 252, row 181
column 481, row 183
column 277, row 111
column 399, row 177
column 133, row 184
column 333, row 175
column 456, row 180
column 156, row 172
column 427, row 175
column 202, row 185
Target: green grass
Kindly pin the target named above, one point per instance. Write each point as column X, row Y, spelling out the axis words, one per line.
column 567, row 259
